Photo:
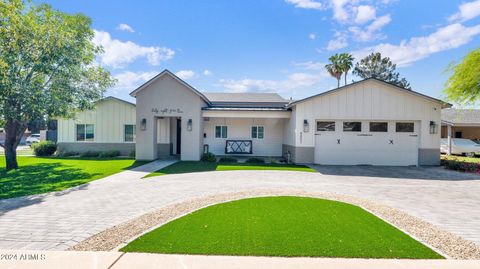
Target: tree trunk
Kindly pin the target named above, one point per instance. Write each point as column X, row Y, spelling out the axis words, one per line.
column 338, row 82
column 346, row 78
column 14, row 131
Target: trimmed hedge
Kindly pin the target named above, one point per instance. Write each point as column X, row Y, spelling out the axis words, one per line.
column 109, row 154
column 255, row 160
column 227, row 159
column 459, row 165
column 209, row 157
column 44, row 148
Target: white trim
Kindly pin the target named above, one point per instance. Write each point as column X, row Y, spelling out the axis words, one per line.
column 221, row 131
column 85, row 135
column 251, row 127
column 134, row 133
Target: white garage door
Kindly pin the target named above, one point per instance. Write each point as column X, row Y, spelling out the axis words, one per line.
column 377, row 143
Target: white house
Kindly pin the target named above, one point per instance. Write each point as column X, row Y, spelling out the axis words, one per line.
column 366, row 122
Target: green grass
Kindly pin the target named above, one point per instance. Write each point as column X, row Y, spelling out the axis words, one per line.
column 193, row 166
column 461, row 158
column 39, row 175
column 282, row 226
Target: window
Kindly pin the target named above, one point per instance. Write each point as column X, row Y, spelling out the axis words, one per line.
column 352, row 126
column 85, row 132
column 378, row 127
column 257, row 132
column 404, row 127
column 325, row 126
column 220, row 131
column 129, row 132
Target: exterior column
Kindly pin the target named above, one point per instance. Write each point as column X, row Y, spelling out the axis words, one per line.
column 449, row 139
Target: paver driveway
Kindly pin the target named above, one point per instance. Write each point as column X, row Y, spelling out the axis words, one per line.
column 448, row 199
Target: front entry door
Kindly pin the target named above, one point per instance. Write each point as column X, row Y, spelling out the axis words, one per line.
column 179, row 136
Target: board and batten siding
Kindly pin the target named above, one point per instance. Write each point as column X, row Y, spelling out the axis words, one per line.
column 240, row 128
column 108, row 117
column 370, row 100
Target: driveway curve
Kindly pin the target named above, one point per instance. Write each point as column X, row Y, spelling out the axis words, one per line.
column 57, row 221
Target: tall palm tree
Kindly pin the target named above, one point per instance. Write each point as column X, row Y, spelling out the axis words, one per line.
column 346, row 63
column 335, row 68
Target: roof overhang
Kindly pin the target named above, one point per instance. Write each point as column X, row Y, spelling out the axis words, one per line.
column 269, row 114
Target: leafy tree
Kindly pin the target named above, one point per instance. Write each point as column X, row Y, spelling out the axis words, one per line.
column 382, row 68
column 335, row 67
column 346, row 63
column 46, row 68
column 463, row 86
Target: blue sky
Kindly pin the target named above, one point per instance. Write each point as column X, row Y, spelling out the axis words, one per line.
column 276, row 45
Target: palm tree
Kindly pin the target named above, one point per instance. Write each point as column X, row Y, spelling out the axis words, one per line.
column 346, row 63
column 335, row 68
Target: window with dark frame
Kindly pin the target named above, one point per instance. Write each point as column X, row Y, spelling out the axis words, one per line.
column 221, row 131
column 258, row 132
column 85, row 132
column 404, row 127
column 325, row 126
column 379, row 127
column 129, row 133
column 352, row 126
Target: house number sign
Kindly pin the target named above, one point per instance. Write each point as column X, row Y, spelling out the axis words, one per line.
column 164, row 111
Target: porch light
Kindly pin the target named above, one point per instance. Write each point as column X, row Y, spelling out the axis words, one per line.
column 143, row 124
column 433, row 127
column 189, row 125
column 306, row 126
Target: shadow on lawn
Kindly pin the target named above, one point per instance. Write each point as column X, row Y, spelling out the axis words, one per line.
column 39, row 178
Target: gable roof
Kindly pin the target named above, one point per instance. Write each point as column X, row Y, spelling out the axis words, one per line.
column 116, row 99
column 169, row 73
column 461, row 116
column 444, row 104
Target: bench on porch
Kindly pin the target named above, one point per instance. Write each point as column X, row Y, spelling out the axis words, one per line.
column 238, row 147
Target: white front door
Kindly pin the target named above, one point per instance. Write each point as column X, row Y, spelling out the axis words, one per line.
column 395, row 146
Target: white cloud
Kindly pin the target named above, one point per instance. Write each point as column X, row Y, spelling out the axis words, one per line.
column 370, row 33
column 339, row 42
column 312, row 36
column 128, row 81
column 207, row 72
column 185, row 74
column 125, row 27
column 417, row 48
column 307, row 4
column 365, row 14
column 311, row 65
column 292, row 82
column 339, row 11
column 466, row 11
column 119, row 54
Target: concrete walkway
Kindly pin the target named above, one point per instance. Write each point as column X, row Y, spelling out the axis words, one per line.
column 57, row 221
column 117, row 260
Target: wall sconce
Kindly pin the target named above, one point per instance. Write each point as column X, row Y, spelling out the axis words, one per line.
column 306, row 126
column 189, row 125
column 433, row 127
column 143, row 124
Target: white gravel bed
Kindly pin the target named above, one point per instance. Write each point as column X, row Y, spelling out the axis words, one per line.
column 446, row 243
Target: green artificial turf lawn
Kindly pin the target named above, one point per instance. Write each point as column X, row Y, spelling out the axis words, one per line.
column 193, row 166
column 282, row 226
column 39, row 175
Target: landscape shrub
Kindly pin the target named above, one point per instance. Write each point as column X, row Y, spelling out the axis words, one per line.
column 44, row 148
column 227, row 159
column 459, row 165
column 132, row 154
column 68, row 154
column 255, row 160
column 209, row 157
column 90, row 154
column 109, row 154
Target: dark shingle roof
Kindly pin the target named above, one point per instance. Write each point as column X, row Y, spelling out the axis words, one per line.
column 461, row 116
column 248, row 97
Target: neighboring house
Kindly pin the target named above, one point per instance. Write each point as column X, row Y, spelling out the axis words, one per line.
column 463, row 123
column 367, row 122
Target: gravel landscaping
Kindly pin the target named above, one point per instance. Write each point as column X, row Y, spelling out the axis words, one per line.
column 445, row 243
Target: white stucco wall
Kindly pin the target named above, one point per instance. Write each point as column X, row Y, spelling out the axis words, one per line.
column 240, row 128
column 108, row 118
column 369, row 100
column 168, row 94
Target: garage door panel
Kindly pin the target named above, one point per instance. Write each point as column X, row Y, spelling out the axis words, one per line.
column 356, row 148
